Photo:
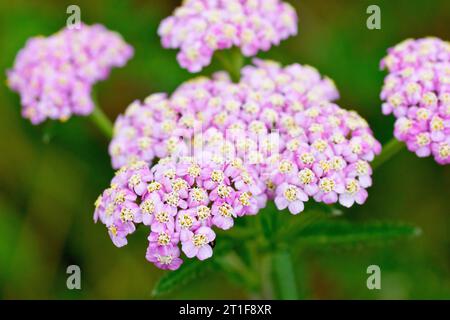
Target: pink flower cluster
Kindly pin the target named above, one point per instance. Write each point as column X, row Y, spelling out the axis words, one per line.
column 54, row 75
column 225, row 149
column 179, row 200
column 200, row 27
column 280, row 121
column 417, row 92
column 326, row 150
column 326, row 158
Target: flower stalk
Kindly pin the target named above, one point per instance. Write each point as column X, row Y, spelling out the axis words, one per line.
column 101, row 121
column 232, row 61
column 284, row 275
column 389, row 150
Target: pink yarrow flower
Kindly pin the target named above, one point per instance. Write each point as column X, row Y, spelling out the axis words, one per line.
column 199, row 28
column 417, row 92
column 54, row 75
column 226, row 148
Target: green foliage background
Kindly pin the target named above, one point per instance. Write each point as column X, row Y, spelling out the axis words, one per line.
column 50, row 175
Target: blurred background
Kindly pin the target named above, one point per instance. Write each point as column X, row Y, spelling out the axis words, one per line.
column 50, row 175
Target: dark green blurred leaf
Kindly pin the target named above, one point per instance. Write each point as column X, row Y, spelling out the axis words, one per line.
column 284, row 273
column 190, row 270
column 173, row 280
column 237, row 271
column 345, row 233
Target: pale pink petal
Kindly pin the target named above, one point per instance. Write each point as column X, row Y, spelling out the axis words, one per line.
column 189, row 249
column 205, row 252
column 296, row 207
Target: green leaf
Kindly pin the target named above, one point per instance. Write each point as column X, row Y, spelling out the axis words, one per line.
column 237, row 271
column 190, row 270
column 345, row 233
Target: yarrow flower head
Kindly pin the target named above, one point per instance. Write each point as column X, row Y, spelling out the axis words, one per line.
column 200, row 27
column 326, row 158
column 54, row 75
column 417, row 92
column 226, row 148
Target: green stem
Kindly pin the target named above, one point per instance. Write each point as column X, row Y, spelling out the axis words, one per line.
column 284, row 275
column 277, row 271
column 265, row 268
column 232, row 61
column 99, row 118
column 389, row 150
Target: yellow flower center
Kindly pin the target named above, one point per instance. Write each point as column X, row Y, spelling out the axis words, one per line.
column 199, row 240
column 327, row 184
column 423, row 114
column 165, row 259
column 134, row 180
column 412, row 88
column 293, row 145
column 198, row 194
column 224, row 191
column 225, row 210
column 338, row 138
column 179, row 184
column 217, row 176
column 307, row 158
column 170, row 173
column 444, row 150
column 356, row 148
column 246, row 178
column 147, row 206
column 126, row 214
column 285, row 166
column 119, row 198
column 237, row 163
column 203, row 212
column 437, row 124
column 306, row 176
column 163, row 239
column 395, row 100
column 172, row 144
column 338, row 163
column 186, row 221
column 422, row 139
column 316, row 127
column 362, row 167
column 320, row 145
column 144, row 143
column 429, row 99
column 244, row 198
column 113, row 230
column 98, row 202
column 325, row 165
column 290, row 193
column 405, row 125
column 109, row 209
column 194, row 170
column 313, row 112
column 270, row 185
column 153, row 186
column 172, row 199
column 352, row 186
